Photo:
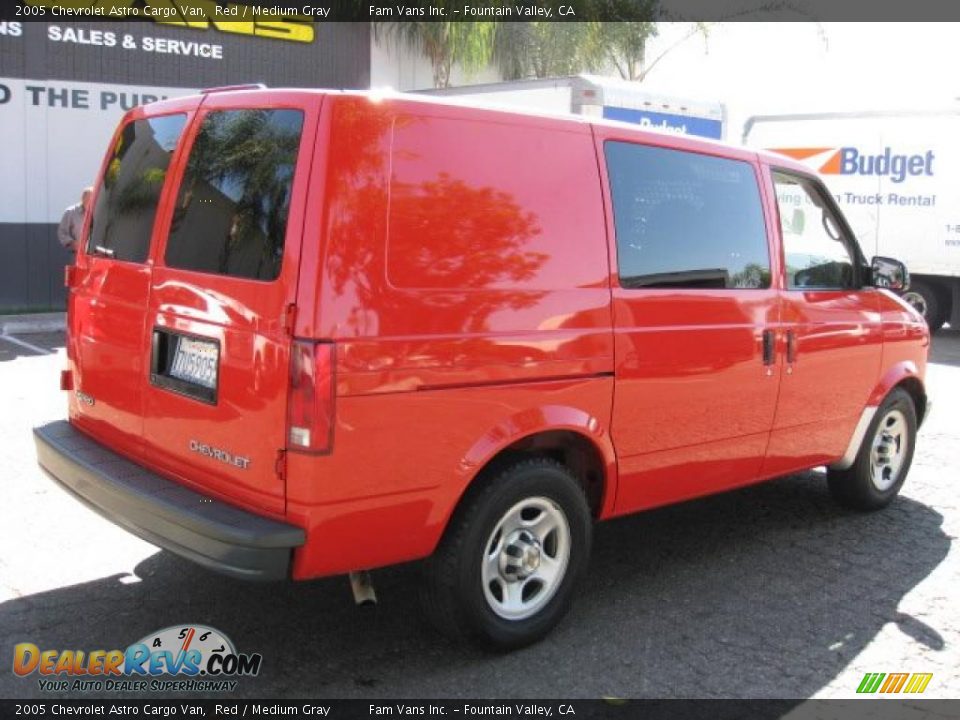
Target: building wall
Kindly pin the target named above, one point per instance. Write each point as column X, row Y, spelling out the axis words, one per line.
column 64, row 86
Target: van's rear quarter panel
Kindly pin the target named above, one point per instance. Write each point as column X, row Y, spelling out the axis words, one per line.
column 466, row 283
column 401, row 462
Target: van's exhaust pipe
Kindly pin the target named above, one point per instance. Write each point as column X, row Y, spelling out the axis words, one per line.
column 362, row 585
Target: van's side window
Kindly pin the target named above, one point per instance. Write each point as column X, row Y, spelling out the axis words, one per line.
column 685, row 220
column 813, row 247
column 231, row 212
column 130, row 190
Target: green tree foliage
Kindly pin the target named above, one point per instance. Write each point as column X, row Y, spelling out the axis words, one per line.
column 467, row 44
column 535, row 49
column 545, row 49
column 551, row 49
column 624, row 46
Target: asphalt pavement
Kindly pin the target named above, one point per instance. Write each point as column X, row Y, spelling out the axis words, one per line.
column 767, row 592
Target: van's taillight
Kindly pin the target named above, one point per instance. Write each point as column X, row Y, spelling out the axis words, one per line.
column 310, row 407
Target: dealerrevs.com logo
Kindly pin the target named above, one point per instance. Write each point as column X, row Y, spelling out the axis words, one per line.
column 854, row 161
column 178, row 658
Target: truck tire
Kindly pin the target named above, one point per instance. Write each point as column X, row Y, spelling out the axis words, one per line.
column 883, row 461
column 506, row 569
column 926, row 300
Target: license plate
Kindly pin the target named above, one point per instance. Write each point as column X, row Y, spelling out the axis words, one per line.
column 195, row 361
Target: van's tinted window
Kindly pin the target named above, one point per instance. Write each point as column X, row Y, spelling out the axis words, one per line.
column 231, row 213
column 127, row 200
column 685, row 220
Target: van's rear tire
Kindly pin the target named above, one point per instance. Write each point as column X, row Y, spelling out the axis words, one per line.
column 926, row 300
column 884, row 458
column 506, row 569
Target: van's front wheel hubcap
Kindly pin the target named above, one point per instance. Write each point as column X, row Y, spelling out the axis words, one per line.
column 526, row 558
column 888, row 451
column 520, row 557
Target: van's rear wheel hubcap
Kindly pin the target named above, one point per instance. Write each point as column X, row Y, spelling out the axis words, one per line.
column 525, row 558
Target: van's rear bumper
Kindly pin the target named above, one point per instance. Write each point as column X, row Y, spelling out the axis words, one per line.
column 209, row 532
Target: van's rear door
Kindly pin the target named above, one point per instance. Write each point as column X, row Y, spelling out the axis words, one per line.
column 222, row 295
column 110, row 282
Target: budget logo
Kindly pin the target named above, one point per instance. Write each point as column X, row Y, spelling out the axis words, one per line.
column 854, row 161
column 894, row 683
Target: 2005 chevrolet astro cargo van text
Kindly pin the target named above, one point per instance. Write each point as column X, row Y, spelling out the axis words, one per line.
column 316, row 333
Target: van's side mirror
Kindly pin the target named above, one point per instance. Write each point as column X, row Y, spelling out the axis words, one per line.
column 889, row 273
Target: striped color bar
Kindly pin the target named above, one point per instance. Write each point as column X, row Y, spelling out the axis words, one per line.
column 918, row 682
column 870, row 682
column 894, row 682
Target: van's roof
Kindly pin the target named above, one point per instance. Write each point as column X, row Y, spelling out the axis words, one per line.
column 380, row 95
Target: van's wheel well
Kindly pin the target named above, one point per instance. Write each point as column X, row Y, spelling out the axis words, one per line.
column 570, row 449
column 914, row 388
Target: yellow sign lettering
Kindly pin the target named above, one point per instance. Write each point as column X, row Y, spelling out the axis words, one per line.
column 297, row 30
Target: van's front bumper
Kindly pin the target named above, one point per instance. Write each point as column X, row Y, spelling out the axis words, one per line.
column 209, row 532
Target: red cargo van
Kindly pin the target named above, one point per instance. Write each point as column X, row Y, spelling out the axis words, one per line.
column 316, row 333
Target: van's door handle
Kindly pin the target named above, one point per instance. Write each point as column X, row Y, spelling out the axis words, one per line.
column 768, row 347
column 791, row 347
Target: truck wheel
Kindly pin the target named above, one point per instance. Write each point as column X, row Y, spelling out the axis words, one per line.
column 884, row 458
column 506, row 569
column 925, row 300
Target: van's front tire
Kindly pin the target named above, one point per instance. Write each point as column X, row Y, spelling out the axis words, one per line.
column 884, row 458
column 506, row 570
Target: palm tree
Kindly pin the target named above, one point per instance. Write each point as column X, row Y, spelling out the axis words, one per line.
column 624, row 45
column 551, row 49
column 468, row 44
column 534, row 49
column 544, row 49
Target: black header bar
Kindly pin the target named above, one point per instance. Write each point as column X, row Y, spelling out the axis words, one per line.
column 186, row 11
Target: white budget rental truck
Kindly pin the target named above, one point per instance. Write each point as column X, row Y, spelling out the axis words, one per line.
column 896, row 174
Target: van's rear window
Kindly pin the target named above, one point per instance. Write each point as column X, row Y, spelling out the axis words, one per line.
column 127, row 199
column 231, row 213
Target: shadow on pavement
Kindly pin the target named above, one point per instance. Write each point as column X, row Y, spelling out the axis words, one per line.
column 769, row 591
column 29, row 345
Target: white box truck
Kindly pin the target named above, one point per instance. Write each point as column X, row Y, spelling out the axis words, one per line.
column 896, row 175
column 610, row 98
